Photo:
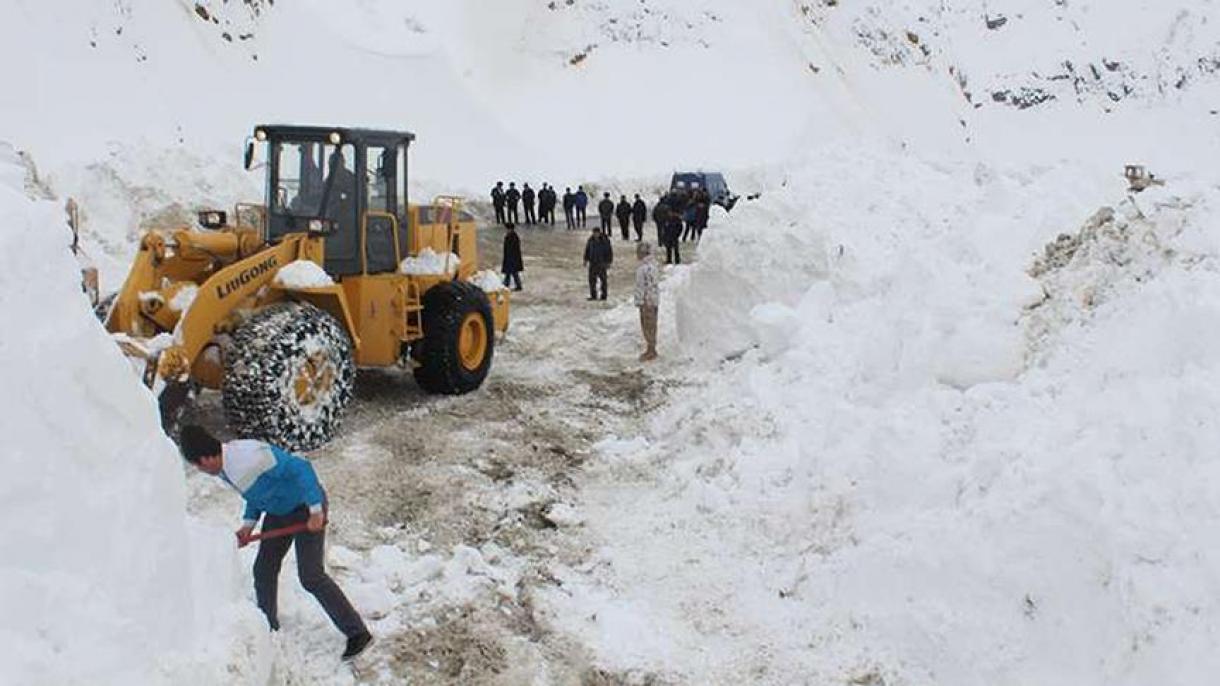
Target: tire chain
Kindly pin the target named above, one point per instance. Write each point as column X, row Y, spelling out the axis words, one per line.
column 257, row 391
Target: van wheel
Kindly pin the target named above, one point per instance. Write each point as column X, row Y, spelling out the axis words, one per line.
column 288, row 376
column 455, row 354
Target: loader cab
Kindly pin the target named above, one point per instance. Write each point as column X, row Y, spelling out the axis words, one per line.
column 348, row 185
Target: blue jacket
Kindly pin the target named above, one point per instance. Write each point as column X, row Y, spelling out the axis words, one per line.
column 582, row 199
column 270, row 479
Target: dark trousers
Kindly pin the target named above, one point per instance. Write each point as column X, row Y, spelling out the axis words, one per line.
column 672, row 255
column 512, row 214
column 515, row 276
column 607, row 222
column 499, row 213
column 597, row 275
column 580, row 216
column 689, row 232
column 639, row 229
column 529, row 214
column 548, row 215
column 624, row 226
column 660, row 236
column 567, row 214
column 311, row 552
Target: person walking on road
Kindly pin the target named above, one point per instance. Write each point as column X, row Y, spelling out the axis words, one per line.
column 511, row 264
column 582, row 205
column 511, row 197
column 569, row 207
column 647, row 298
column 284, row 490
column 623, row 212
column 639, row 215
column 605, row 209
column 599, row 255
column 497, row 201
column 527, row 199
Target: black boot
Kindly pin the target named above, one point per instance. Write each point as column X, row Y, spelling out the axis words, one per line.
column 356, row 645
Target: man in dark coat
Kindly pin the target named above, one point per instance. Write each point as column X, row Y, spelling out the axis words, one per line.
column 511, row 197
column 527, row 199
column 497, row 201
column 660, row 215
column 623, row 212
column 605, row 209
column 639, row 215
column 552, row 199
column 544, row 203
column 512, row 264
column 582, row 204
column 569, row 207
column 673, row 236
column 599, row 255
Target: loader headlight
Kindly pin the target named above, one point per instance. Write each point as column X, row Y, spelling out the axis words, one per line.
column 335, row 138
column 213, row 219
column 320, row 226
column 260, row 135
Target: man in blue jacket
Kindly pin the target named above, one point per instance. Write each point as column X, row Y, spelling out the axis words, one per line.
column 582, row 202
column 284, row 490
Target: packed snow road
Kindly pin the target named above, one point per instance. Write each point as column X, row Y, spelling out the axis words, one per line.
column 448, row 513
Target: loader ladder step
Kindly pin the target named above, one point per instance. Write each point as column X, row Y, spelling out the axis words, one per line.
column 413, row 309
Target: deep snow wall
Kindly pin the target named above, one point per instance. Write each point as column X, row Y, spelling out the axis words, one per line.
column 104, row 579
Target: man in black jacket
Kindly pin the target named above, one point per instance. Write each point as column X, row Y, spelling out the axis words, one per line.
column 527, row 199
column 569, row 207
column 548, row 209
column 673, row 237
column 512, row 264
column 605, row 208
column 623, row 212
column 497, row 201
column 511, row 197
column 599, row 255
column 639, row 215
column 660, row 215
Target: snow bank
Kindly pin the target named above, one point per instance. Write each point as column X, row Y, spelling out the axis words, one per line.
column 303, row 274
column 104, row 579
column 430, row 263
column 912, row 462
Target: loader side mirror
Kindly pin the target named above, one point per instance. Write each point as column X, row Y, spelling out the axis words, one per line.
column 248, row 159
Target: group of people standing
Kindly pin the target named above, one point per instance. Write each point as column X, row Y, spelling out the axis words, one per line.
column 507, row 201
column 680, row 215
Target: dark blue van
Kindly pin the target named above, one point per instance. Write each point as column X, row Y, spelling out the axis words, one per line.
column 712, row 182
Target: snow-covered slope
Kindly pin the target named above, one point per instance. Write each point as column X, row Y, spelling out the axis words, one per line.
column 104, row 579
column 142, row 105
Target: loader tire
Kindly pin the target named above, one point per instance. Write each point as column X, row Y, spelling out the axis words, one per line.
column 288, row 376
column 459, row 339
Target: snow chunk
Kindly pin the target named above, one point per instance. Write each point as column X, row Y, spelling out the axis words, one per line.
column 430, row 263
column 489, row 281
column 303, row 274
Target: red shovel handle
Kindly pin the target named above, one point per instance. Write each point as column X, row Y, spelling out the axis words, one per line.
column 274, row 533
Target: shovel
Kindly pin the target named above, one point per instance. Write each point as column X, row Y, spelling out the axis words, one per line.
column 274, row 533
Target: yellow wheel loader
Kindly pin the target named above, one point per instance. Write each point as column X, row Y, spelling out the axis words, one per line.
column 279, row 304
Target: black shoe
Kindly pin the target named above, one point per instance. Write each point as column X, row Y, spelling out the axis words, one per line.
column 603, row 297
column 518, row 288
column 590, row 298
column 356, row 645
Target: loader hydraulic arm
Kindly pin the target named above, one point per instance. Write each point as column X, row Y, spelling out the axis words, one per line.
column 222, row 294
